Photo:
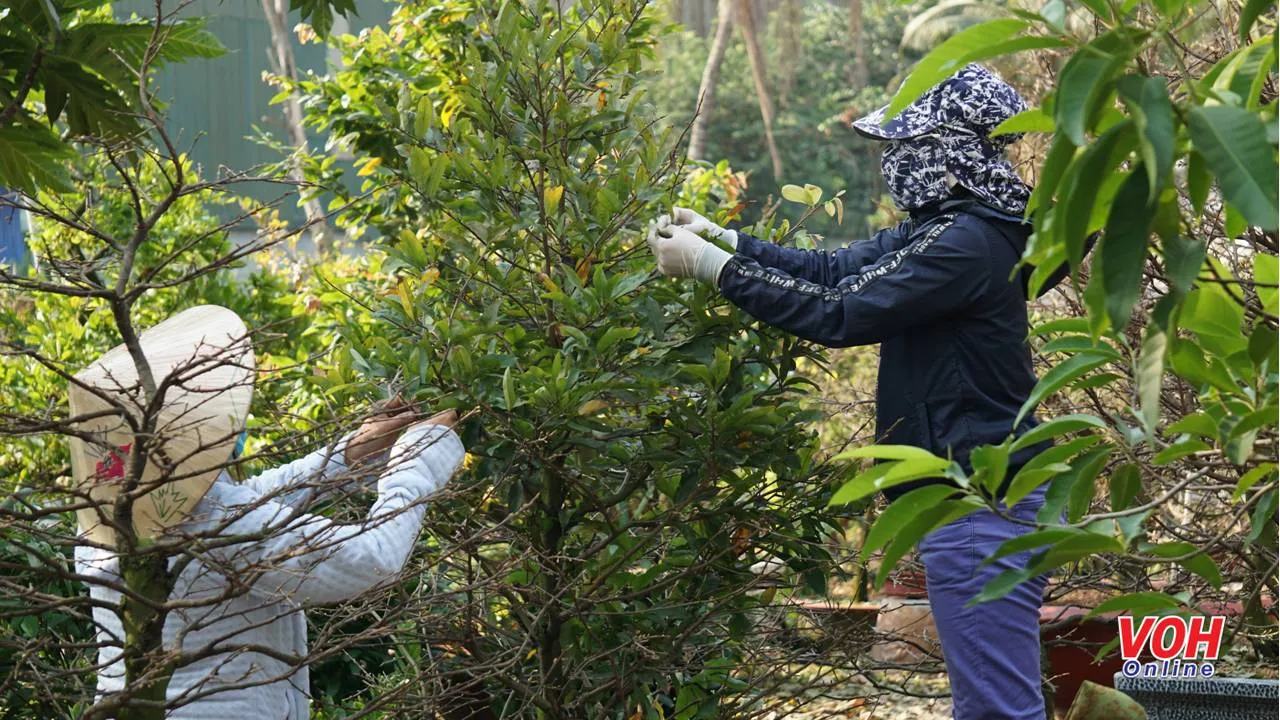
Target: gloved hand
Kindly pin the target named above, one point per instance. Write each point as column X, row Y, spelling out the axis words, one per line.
column 680, row 253
column 424, row 457
column 699, row 225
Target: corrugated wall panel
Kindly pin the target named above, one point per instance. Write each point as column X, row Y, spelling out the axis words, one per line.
column 214, row 105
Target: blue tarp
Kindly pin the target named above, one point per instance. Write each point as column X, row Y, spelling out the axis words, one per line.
column 13, row 242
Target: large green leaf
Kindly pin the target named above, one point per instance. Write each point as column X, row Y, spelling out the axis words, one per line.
column 1063, row 373
column 922, row 524
column 1124, row 246
column 1248, row 15
column 1125, row 484
column 1139, row 604
column 978, row 42
column 1032, row 120
column 1148, row 101
column 901, row 512
column 1149, row 374
column 32, row 158
column 887, row 475
column 1266, row 276
column 1210, row 313
column 1234, row 144
column 1055, row 427
column 1085, row 82
column 1088, row 177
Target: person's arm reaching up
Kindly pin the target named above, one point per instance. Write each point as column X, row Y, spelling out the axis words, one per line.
column 309, row 559
column 817, row 266
column 941, row 271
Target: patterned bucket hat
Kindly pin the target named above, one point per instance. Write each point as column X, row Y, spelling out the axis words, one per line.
column 973, row 101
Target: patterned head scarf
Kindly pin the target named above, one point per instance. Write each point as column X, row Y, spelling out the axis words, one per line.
column 943, row 139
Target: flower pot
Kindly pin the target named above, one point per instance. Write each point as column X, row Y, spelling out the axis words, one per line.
column 1070, row 643
column 1204, row 698
column 905, row 583
column 838, row 627
column 905, row 632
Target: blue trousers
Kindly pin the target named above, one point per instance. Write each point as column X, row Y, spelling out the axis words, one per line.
column 992, row 650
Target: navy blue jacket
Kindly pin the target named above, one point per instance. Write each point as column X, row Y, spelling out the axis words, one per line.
column 936, row 293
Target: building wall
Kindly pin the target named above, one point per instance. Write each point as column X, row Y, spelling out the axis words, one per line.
column 216, row 107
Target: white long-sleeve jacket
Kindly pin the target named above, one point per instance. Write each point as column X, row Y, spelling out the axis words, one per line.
column 248, row 594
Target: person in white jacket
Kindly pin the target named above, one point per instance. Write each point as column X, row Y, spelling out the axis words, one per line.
column 253, row 559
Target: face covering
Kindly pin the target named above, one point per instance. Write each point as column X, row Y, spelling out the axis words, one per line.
column 943, row 139
column 923, row 170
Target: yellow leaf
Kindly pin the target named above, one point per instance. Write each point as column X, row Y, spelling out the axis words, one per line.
column 551, row 197
column 591, row 407
column 795, row 193
column 370, row 167
column 584, row 267
column 602, row 100
column 548, row 283
column 429, row 276
column 406, row 302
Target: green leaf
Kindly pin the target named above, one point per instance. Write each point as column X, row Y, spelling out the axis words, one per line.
column 32, row 158
column 1251, row 478
column 1081, row 192
column 1263, row 517
column 1032, row 540
column 1137, row 604
column 1266, row 278
column 1195, row 424
column 1061, row 375
column 1028, row 121
column 992, row 463
column 1055, row 427
column 925, row 522
column 886, row 475
column 1085, row 82
column 886, row 452
column 1248, row 15
column 508, row 389
column 1211, row 314
column 1148, row 101
column 1061, row 152
column 1123, row 254
column 1178, row 451
column 977, row 42
column 1199, row 181
column 1234, row 144
column 1083, row 472
column 1149, row 375
column 1183, row 259
column 1200, row 564
column 1125, row 484
column 901, row 512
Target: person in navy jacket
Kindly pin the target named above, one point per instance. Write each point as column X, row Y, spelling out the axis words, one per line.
column 943, row 296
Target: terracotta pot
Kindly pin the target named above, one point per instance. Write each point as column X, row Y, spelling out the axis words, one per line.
column 844, row 627
column 906, row 583
column 1070, row 643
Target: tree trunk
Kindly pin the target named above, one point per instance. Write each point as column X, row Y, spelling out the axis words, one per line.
column 747, row 22
column 281, row 56
column 710, row 78
column 859, row 77
column 790, row 26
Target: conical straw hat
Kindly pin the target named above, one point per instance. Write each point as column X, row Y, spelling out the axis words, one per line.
column 203, row 366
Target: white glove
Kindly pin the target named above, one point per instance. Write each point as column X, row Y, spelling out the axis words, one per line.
column 699, row 225
column 423, row 459
column 680, row 253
